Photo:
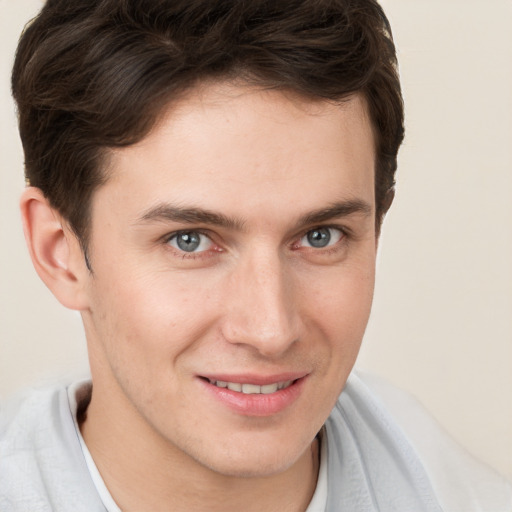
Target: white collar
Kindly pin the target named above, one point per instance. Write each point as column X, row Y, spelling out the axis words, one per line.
column 317, row 503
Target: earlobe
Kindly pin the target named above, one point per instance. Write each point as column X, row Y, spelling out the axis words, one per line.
column 53, row 249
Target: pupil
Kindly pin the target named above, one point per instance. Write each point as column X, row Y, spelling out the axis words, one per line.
column 319, row 237
column 188, row 241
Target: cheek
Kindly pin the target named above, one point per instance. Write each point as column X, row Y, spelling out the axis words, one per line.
column 339, row 313
column 148, row 319
column 341, row 302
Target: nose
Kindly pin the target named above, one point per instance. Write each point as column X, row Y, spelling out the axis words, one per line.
column 261, row 309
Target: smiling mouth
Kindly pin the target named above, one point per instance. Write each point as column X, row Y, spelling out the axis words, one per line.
column 252, row 389
column 255, row 395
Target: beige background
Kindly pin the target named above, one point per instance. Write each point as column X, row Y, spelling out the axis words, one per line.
column 442, row 320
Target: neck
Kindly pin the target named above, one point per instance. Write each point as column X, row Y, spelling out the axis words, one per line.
column 147, row 472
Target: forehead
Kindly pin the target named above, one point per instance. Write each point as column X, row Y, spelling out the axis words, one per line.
column 222, row 142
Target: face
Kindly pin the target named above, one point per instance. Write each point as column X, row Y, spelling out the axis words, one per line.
column 233, row 254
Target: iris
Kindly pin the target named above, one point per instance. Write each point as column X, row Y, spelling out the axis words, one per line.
column 319, row 237
column 188, row 242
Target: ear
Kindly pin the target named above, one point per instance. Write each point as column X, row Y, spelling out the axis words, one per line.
column 55, row 250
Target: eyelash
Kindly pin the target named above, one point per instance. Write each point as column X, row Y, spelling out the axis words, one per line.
column 343, row 234
column 208, row 253
column 192, row 255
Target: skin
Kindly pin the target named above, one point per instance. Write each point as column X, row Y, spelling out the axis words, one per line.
column 256, row 299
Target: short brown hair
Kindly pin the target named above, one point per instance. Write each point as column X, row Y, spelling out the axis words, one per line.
column 94, row 74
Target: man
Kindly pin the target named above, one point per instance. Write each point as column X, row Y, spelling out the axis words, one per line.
column 207, row 184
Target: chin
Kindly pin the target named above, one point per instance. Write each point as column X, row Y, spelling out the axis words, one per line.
column 253, row 463
column 260, row 468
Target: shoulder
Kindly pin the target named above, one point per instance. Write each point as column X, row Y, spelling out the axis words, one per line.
column 41, row 462
column 24, row 420
column 459, row 481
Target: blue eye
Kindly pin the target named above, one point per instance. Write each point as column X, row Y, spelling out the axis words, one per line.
column 190, row 241
column 321, row 237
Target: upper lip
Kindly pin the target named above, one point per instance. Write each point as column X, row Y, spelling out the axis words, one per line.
column 253, row 378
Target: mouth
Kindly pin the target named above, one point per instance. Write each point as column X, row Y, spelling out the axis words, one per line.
column 255, row 396
column 252, row 389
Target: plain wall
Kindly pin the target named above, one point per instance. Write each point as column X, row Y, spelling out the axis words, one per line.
column 441, row 326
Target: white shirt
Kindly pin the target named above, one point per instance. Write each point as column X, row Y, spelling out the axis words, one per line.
column 380, row 452
column 317, row 504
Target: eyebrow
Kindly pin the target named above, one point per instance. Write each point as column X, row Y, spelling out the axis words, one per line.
column 191, row 215
column 168, row 212
column 336, row 210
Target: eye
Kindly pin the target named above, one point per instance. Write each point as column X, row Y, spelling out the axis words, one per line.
column 190, row 241
column 319, row 238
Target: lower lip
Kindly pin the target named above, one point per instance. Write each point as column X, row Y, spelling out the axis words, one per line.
column 257, row 404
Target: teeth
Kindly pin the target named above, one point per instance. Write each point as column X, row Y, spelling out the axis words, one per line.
column 252, row 389
column 269, row 388
column 283, row 385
